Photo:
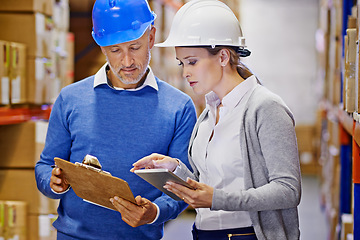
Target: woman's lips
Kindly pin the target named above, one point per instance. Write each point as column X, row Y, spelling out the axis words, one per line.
column 192, row 83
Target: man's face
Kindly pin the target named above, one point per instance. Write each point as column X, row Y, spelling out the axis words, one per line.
column 129, row 61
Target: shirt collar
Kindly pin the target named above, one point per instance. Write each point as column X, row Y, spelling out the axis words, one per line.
column 232, row 98
column 101, row 78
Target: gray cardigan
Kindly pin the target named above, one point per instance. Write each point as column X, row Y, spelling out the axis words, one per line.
column 271, row 168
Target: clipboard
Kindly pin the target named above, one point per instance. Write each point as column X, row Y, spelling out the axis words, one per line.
column 158, row 178
column 94, row 186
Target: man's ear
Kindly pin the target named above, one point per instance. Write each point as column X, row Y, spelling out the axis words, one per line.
column 152, row 37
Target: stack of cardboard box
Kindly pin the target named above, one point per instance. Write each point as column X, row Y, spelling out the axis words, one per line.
column 40, row 61
column 21, row 145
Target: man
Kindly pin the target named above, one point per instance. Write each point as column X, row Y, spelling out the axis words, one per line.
column 119, row 115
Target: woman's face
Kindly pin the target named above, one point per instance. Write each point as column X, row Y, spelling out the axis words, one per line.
column 202, row 70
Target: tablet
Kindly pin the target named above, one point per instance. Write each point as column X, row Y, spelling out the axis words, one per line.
column 159, row 177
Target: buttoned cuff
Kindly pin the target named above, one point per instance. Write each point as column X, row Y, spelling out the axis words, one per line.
column 61, row 192
column 157, row 213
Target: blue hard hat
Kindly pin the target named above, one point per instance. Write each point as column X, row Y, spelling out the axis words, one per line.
column 119, row 21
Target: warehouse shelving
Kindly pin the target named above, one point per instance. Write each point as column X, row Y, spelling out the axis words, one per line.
column 11, row 115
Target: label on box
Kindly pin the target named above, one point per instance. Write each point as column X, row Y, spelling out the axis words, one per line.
column 40, row 131
column 39, row 69
column 16, row 90
column 40, row 23
column 5, row 90
column 44, row 226
column 2, row 214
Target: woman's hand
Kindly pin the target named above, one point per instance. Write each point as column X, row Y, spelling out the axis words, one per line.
column 156, row 161
column 201, row 197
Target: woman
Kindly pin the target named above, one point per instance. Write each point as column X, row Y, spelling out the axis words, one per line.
column 243, row 149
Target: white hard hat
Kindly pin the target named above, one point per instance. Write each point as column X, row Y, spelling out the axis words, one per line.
column 204, row 23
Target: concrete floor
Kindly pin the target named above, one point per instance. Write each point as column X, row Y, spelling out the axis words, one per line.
column 312, row 221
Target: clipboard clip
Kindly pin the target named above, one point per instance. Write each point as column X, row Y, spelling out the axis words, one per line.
column 92, row 163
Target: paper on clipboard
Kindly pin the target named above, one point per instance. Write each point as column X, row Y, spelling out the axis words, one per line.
column 159, row 177
column 94, row 186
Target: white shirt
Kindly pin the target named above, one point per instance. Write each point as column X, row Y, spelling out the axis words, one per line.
column 101, row 78
column 219, row 161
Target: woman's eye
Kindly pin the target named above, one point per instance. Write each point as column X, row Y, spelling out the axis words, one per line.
column 180, row 64
column 192, row 62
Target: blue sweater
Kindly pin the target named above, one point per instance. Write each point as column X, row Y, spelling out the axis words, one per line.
column 119, row 128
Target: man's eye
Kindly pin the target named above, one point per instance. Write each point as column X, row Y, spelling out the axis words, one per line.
column 114, row 50
column 135, row 48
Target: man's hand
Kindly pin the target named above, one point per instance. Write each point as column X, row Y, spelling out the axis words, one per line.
column 57, row 181
column 135, row 215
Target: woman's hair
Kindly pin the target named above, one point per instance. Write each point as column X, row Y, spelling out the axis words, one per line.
column 234, row 61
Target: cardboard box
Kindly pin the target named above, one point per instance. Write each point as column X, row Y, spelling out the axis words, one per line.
column 13, row 220
column 41, row 6
column 347, row 222
column 4, row 73
column 18, row 83
column 81, row 5
column 21, row 144
column 20, row 185
column 32, row 29
column 40, row 227
column 39, row 79
column 15, row 214
column 304, row 135
column 61, row 16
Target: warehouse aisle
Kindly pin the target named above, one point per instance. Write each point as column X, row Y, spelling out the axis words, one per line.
column 312, row 221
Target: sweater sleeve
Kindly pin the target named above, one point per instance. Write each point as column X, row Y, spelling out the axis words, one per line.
column 57, row 144
column 272, row 164
column 170, row 208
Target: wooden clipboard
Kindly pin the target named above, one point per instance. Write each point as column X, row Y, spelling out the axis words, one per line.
column 95, row 187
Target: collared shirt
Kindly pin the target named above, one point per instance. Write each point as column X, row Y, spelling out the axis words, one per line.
column 219, row 160
column 101, row 78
